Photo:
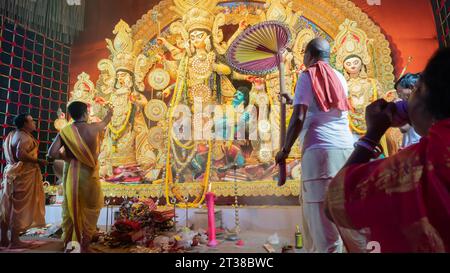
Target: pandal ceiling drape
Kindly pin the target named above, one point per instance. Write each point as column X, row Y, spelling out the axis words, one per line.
column 54, row 18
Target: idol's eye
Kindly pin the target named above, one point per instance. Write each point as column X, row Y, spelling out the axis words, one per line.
column 356, row 62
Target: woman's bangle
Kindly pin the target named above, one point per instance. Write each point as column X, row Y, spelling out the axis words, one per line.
column 375, row 148
column 372, row 142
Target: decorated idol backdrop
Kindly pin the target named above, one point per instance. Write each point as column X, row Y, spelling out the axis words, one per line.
column 185, row 121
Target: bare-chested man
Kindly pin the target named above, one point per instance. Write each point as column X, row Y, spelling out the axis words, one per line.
column 22, row 200
column 78, row 145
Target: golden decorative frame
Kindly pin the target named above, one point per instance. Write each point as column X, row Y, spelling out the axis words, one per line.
column 327, row 15
column 224, row 189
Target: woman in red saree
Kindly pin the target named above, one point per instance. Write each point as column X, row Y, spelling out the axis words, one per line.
column 405, row 199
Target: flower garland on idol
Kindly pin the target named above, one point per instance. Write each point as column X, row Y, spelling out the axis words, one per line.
column 169, row 181
column 117, row 133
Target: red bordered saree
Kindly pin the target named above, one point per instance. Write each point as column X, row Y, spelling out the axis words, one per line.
column 404, row 199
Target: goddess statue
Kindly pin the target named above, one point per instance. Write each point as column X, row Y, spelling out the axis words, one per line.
column 85, row 91
column 199, row 69
column 200, row 73
column 353, row 58
column 126, row 140
column 351, row 49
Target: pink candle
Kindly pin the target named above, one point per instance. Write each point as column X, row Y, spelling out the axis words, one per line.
column 211, row 219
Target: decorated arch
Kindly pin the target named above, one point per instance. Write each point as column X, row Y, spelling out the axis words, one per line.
column 158, row 55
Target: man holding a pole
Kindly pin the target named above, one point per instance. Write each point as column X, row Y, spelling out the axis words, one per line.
column 320, row 116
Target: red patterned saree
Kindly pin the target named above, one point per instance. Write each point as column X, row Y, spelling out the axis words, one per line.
column 404, row 200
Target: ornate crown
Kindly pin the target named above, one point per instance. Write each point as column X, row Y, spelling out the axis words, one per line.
column 124, row 61
column 83, row 90
column 123, row 49
column 351, row 41
column 305, row 36
column 125, row 54
column 198, row 19
column 281, row 10
column 196, row 14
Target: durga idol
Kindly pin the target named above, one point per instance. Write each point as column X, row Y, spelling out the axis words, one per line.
column 201, row 73
column 197, row 52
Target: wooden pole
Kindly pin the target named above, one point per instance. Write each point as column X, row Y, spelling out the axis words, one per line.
column 282, row 165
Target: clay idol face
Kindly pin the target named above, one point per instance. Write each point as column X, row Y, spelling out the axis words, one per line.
column 197, row 38
column 353, row 65
column 124, row 79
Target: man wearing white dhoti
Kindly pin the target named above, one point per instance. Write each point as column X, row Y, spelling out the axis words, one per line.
column 320, row 116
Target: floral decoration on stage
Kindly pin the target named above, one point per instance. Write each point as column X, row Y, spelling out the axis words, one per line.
column 139, row 221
